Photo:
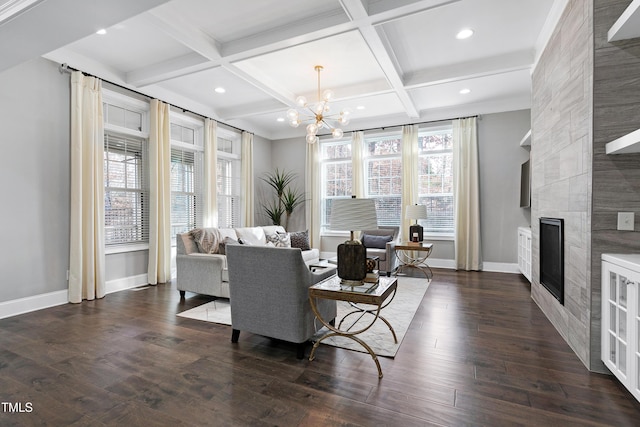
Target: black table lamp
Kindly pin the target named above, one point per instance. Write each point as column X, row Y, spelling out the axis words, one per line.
column 353, row 215
column 416, row 231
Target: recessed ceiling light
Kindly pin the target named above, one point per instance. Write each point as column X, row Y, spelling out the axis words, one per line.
column 220, row 90
column 465, row 91
column 101, row 31
column 360, row 107
column 280, row 119
column 464, row 34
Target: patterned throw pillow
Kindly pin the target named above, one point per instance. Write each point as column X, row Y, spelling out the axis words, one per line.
column 279, row 240
column 206, row 239
column 300, row 239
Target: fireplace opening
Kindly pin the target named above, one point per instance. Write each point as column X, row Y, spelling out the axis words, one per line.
column 552, row 256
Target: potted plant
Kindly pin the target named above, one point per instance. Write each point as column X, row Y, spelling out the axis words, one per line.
column 287, row 198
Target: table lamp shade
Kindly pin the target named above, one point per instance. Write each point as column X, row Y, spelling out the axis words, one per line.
column 353, row 215
column 416, row 231
column 416, row 212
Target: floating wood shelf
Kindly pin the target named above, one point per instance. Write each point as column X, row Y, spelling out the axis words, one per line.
column 629, row 143
column 628, row 25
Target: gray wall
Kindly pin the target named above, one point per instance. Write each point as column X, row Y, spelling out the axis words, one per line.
column 500, row 156
column 561, row 167
column 616, row 178
column 34, row 221
column 290, row 155
column 35, row 122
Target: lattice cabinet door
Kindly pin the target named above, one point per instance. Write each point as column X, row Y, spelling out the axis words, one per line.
column 621, row 322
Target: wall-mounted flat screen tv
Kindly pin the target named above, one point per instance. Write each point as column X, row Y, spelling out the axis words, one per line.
column 525, row 185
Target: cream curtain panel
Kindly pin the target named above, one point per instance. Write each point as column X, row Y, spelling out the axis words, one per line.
column 409, row 175
column 210, row 173
column 313, row 195
column 86, row 237
column 160, row 194
column 247, row 180
column 466, row 191
column 357, row 163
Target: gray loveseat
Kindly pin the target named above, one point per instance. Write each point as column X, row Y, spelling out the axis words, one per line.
column 207, row 273
column 269, row 294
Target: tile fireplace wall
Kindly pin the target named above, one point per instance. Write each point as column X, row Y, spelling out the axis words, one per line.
column 586, row 92
column 561, row 119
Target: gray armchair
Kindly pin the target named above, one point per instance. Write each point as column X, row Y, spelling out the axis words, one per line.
column 385, row 252
column 269, row 295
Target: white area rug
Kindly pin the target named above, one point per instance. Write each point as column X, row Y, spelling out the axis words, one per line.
column 217, row 311
column 399, row 313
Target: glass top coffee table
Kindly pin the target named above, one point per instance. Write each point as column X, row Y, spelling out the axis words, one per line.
column 376, row 295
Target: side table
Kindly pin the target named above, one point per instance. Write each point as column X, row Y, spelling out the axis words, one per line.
column 374, row 294
column 414, row 255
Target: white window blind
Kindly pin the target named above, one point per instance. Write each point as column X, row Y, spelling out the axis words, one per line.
column 383, row 177
column 435, row 180
column 336, row 170
column 186, row 190
column 126, row 190
column 228, row 189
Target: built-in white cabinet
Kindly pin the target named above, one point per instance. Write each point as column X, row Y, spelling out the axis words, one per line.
column 524, row 251
column 621, row 318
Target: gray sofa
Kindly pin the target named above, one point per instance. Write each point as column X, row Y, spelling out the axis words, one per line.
column 207, row 273
column 269, row 294
column 386, row 255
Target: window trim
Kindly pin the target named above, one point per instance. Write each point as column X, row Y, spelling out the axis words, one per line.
column 142, row 107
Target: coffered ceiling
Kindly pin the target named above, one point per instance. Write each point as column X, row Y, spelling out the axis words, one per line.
column 389, row 61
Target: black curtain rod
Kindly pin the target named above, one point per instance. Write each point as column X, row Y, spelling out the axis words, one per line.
column 407, row 124
column 66, row 68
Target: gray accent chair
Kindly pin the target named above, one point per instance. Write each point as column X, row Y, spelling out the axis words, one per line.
column 387, row 256
column 200, row 273
column 269, row 295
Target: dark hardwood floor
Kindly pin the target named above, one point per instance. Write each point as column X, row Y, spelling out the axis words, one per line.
column 479, row 352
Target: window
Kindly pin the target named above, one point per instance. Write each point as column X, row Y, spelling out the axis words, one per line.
column 383, row 177
column 336, row 173
column 228, row 179
column 187, row 174
column 126, row 191
column 435, row 180
column 126, row 196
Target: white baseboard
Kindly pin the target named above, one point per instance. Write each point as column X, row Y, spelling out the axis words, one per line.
column 498, row 267
column 33, row 303
column 52, row 299
column 125, row 283
column 501, row 267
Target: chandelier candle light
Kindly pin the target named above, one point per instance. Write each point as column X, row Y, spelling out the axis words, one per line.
column 318, row 114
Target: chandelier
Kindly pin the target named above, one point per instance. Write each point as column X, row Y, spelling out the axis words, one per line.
column 318, row 115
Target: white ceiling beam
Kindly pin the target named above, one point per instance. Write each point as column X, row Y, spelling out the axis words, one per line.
column 247, row 111
column 303, row 31
column 257, row 78
column 185, row 33
column 52, row 24
column 379, row 48
column 515, row 61
column 174, row 67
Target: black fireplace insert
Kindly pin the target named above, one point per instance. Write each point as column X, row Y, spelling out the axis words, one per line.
column 552, row 256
